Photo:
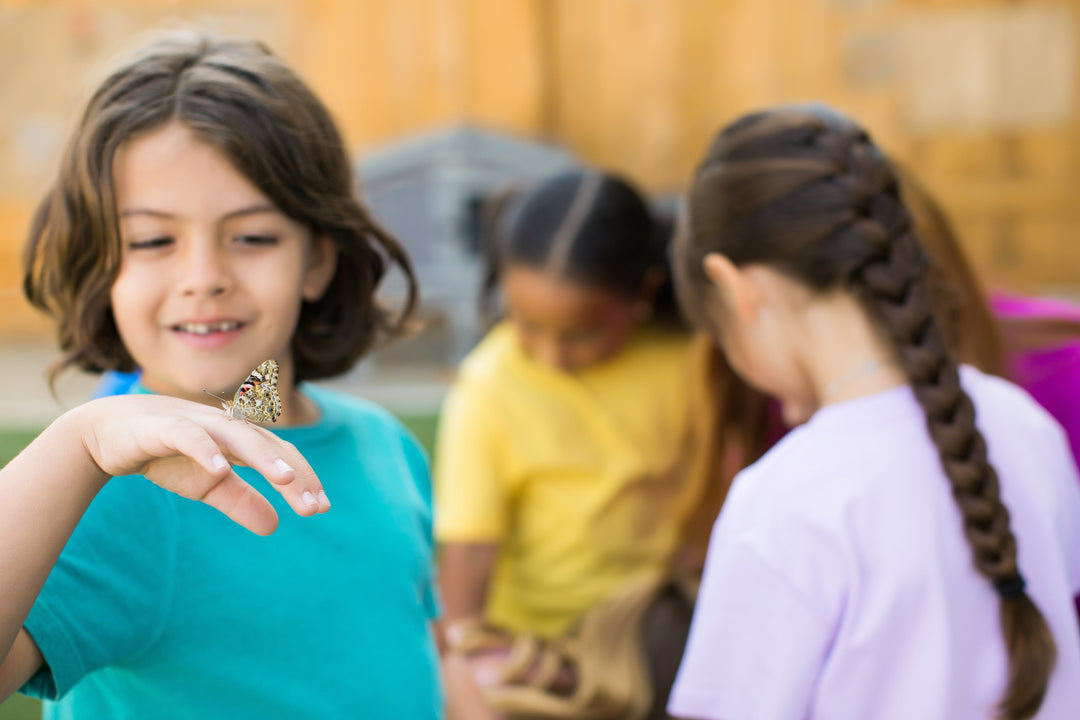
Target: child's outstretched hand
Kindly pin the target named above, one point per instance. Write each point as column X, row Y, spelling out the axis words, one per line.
column 189, row 449
column 182, row 446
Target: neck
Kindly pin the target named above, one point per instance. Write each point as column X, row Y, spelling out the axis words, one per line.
column 298, row 410
column 845, row 356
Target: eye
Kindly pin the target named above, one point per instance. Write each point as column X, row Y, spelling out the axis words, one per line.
column 150, row 243
column 257, row 240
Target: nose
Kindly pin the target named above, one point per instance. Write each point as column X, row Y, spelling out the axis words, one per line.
column 204, row 269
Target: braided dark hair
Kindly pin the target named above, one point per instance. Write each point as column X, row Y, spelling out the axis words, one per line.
column 587, row 226
column 806, row 191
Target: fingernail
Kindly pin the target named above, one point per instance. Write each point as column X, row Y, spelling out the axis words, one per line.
column 323, row 499
column 282, row 467
column 308, row 498
column 219, row 462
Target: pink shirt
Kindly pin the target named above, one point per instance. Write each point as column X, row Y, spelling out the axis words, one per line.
column 1050, row 374
column 839, row 583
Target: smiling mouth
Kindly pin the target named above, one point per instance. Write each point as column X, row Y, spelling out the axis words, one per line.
column 208, row 328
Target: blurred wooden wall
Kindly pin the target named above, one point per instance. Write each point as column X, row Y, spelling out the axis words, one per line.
column 977, row 96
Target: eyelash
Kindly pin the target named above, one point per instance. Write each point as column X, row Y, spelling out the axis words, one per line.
column 258, row 239
column 159, row 242
column 149, row 244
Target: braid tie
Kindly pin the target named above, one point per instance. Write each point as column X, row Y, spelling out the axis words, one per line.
column 1012, row 589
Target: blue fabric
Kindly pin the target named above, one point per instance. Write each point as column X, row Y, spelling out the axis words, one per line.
column 162, row 607
column 115, row 383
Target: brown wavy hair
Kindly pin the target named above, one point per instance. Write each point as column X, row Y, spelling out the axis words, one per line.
column 806, row 191
column 237, row 96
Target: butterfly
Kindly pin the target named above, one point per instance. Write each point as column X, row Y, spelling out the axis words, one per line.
column 257, row 399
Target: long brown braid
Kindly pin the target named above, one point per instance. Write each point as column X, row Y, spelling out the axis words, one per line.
column 806, row 191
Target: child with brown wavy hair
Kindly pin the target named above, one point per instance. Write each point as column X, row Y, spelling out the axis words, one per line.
column 913, row 549
column 205, row 222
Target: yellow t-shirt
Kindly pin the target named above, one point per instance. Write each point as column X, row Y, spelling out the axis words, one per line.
column 583, row 479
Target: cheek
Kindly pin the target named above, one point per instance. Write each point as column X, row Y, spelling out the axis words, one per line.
column 735, row 353
column 127, row 296
column 617, row 336
column 717, row 324
column 274, row 281
column 321, row 263
column 743, row 354
column 133, row 302
column 611, row 336
column 283, row 307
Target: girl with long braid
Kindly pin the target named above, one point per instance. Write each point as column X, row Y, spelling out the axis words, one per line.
column 913, row 549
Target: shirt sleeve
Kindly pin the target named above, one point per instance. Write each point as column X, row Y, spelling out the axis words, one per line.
column 108, row 596
column 420, row 470
column 471, row 498
column 115, row 383
column 756, row 645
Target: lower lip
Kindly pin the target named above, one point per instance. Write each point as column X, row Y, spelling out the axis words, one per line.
column 210, row 340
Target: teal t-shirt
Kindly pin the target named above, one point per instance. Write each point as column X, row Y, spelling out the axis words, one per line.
column 162, row 607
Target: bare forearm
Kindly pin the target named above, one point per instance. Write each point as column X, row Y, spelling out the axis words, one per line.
column 465, row 572
column 44, row 492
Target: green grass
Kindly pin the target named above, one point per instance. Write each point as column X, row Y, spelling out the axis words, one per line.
column 20, row 707
column 423, row 427
column 12, row 441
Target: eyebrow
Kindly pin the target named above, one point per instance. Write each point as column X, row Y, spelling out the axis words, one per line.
column 240, row 212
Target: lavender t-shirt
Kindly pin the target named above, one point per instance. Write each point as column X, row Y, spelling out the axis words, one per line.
column 839, row 583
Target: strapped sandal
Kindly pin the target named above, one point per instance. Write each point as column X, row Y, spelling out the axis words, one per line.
column 607, row 655
column 537, row 663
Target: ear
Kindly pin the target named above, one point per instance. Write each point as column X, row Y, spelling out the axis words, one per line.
column 321, row 267
column 738, row 291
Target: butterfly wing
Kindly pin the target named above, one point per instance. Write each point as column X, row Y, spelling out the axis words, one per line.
column 257, row 399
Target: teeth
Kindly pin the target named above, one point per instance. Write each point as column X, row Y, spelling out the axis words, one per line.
column 207, row 328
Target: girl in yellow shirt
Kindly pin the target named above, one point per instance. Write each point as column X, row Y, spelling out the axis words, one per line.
column 566, row 467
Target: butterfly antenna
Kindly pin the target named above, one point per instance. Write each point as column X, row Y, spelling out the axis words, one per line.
column 215, row 396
